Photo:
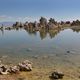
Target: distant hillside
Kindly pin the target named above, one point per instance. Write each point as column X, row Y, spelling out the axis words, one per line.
column 6, row 23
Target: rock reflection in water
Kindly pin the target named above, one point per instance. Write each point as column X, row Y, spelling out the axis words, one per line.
column 76, row 29
column 44, row 32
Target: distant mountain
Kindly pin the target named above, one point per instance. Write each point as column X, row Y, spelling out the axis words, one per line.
column 6, row 23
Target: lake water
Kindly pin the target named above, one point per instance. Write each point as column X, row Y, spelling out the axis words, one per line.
column 49, row 48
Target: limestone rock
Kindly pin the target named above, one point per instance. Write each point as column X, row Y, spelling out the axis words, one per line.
column 25, row 66
column 14, row 69
column 3, row 69
column 57, row 75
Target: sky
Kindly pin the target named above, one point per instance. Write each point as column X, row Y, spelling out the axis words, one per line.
column 31, row 10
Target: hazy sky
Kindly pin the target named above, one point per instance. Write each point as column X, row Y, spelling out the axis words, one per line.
column 11, row 10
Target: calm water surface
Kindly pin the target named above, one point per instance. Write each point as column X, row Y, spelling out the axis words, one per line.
column 18, row 45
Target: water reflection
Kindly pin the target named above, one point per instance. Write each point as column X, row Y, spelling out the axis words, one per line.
column 52, row 33
column 42, row 31
column 30, row 31
column 76, row 29
column 2, row 31
column 17, row 42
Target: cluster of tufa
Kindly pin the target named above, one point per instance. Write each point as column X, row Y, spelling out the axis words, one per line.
column 24, row 66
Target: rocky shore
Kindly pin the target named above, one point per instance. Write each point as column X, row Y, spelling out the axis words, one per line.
column 27, row 70
column 24, row 66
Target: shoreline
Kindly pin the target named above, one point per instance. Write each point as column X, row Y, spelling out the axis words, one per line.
column 42, row 71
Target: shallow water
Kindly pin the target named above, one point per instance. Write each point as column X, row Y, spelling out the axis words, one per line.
column 17, row 45
column 48, row 50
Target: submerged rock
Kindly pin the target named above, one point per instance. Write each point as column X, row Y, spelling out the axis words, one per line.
column 29, row 50
column 35, row 57
column 68, row 51
column 57, row 75
column 4, row 57
column 45, row 57
column 72, row 52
